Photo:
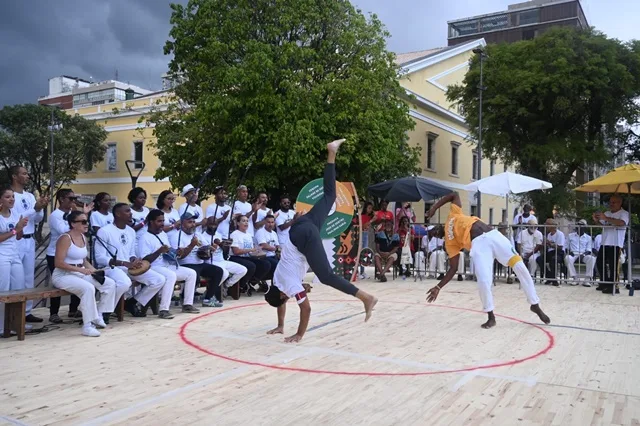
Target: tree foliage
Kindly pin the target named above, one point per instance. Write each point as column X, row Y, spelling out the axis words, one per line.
column 25, row 140
column 270, row 82
column 551, row 105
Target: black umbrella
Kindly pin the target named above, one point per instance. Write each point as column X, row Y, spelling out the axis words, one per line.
column 410, row 188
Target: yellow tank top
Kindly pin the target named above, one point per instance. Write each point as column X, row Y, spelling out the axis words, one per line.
column 457, row 231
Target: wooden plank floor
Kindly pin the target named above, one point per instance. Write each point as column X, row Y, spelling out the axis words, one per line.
column 150, row 372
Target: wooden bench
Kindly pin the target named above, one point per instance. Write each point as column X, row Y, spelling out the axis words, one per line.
column 16, row 304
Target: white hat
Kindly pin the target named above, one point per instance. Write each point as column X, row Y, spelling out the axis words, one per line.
column 582, row 222
column 186, row 189
column 430, row 227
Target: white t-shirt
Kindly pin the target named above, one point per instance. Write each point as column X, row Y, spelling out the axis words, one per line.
column 615, row 236
column 98, row 219
column 260, row 215
column 244, row 207
column 218, row 255
column 139, row 217
column 149, row 243
column 57, row 227
column 529, row 241
column 269, row 237
column 25, row 207
column 597, row 242
column 218, row 212
column 170, row 219
column 580, row 244
column 121, row 242
column 525, row 220
column 9, row 247
column 242, row 240
column 185, row 239
column 290, row 272
column 434, row 243
column 557, row 238
column 281, row 219
column 196, row 211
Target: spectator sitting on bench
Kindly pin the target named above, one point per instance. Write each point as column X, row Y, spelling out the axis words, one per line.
column 75, row 274
column 387, row 246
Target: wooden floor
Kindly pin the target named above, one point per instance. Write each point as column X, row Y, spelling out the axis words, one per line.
column 412, row 364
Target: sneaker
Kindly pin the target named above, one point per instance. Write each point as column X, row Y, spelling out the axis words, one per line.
column 586, row 284
column 99, row 323
column 55, row 319
column 211, row 303
column 165, row 315
column 90, row 331
column 189, row 309
column 33, row 318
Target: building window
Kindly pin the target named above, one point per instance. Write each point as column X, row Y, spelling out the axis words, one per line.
column 528, row 34
column 454, row 158
column 474, row 211
column 431, row 151
column 491, row 216
column 529, row 17
column 474, row 165
column 112, row 157
column 137, row 153
column 492, row 168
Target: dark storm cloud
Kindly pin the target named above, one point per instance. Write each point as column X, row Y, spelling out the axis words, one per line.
column 92, row 38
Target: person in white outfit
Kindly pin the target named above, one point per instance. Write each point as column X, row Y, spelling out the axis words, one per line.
column 285, row 217
column 101, row 215
column 154, row 247
column 138, row 198
column 75, row 274
column 115, row 246
column 11, row 231
column 436, row 256
column 191, row 196
column 213, row 238
column 530, row 246
column 27, row 206
column 580, row 248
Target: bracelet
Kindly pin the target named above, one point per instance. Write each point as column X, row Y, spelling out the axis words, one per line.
column 14, row 232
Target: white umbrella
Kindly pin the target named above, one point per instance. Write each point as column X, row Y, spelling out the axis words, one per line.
column 505, row 183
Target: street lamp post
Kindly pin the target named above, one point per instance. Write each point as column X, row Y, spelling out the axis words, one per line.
column 134, row 165
column 482, row 55
column 53, row 127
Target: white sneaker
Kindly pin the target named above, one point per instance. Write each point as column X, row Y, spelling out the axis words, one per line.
column 90, row 331
column 99, row 323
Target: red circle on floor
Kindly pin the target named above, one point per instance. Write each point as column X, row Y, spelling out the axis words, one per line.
column 547, row 348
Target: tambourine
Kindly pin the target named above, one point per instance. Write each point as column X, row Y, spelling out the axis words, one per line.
column 366, row 257
column 204, row 253
column 171, row 256
column 141, row 270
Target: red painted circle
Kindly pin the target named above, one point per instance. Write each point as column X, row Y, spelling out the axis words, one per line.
column 550, row 344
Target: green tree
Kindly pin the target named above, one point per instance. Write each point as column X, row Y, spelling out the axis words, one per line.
column 25, row 140
column 271, row 82
column 551, row 106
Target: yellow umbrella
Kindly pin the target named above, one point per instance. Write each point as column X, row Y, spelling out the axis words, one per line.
column 623, row 179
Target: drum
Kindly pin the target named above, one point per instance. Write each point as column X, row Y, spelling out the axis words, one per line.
column 204, row 253
column 141, row 270
column 366, row 257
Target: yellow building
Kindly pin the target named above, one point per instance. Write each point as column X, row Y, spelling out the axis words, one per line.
column 447, row 154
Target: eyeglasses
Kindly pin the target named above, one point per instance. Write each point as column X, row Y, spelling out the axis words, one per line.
column 84, row 222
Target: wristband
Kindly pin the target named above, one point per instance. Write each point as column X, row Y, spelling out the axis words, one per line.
column 14, row 232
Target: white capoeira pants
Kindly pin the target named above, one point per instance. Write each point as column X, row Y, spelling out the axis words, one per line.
column 461, row 267
column 171, row 275
column 233, row 272
column 122, row 280
column 153, row 283
column 494, row 245
column 418, row 261
column 589, row 261
column 11, row 278
column 27, row 255
column 533, row 264
column 84, row 286
column 436, row 262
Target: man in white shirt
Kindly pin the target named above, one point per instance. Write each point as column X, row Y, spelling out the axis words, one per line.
column 191, row 196
column 580, row 249
column 554, row 245
column 614, row 221
column 260, row 216
column 154, row 247
column 115, row 246
column 220, row 211
column 305, row 247
column 284, row 219
column 242, row 207
column 267, row 240
column 530, row 245
column 27, row 207
column 524, row 218
column 437, row 257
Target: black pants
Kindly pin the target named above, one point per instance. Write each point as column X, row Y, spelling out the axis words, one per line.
column 257, row 269
column 552, row 259
column 305, row 235
column 54, row 306
column 273, row 261
column 213, row 274
column 608, row 260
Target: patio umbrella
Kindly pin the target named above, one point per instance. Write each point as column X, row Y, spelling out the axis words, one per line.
column 505, row 183
column 410, row 188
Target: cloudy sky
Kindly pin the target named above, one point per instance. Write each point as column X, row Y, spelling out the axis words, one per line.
column 94, row 38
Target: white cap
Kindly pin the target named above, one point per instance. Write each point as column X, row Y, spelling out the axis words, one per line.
column 186, row 189
column 430, row 227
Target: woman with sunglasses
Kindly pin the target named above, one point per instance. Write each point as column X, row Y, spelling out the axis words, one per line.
column 58, row 225
column 244, row 253
column 73, row 273
column 11, row 226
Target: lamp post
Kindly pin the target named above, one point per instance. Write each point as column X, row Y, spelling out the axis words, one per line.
column 136, row 165
column 53, row 127
column 482, row 55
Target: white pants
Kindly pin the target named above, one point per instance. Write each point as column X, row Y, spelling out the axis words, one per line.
column 419, row 262
column 84, row 286
column 436, row 261
column 589, row 261
column 233, row 271
column 171, row 275
column 11, row 278
column 122, row 280
column 153, row 282
column 533, row 264
column 461, row 266
column 27, row 253
column 494, row 245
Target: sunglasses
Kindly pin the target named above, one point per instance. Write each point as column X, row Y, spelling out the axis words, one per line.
column 84, row 222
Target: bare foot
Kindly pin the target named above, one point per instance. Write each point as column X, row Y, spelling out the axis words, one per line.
column 335, row 145
column 293, row 339
column 491, row 322
column 369, row 304
column 543, row 317
column 277, row 330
